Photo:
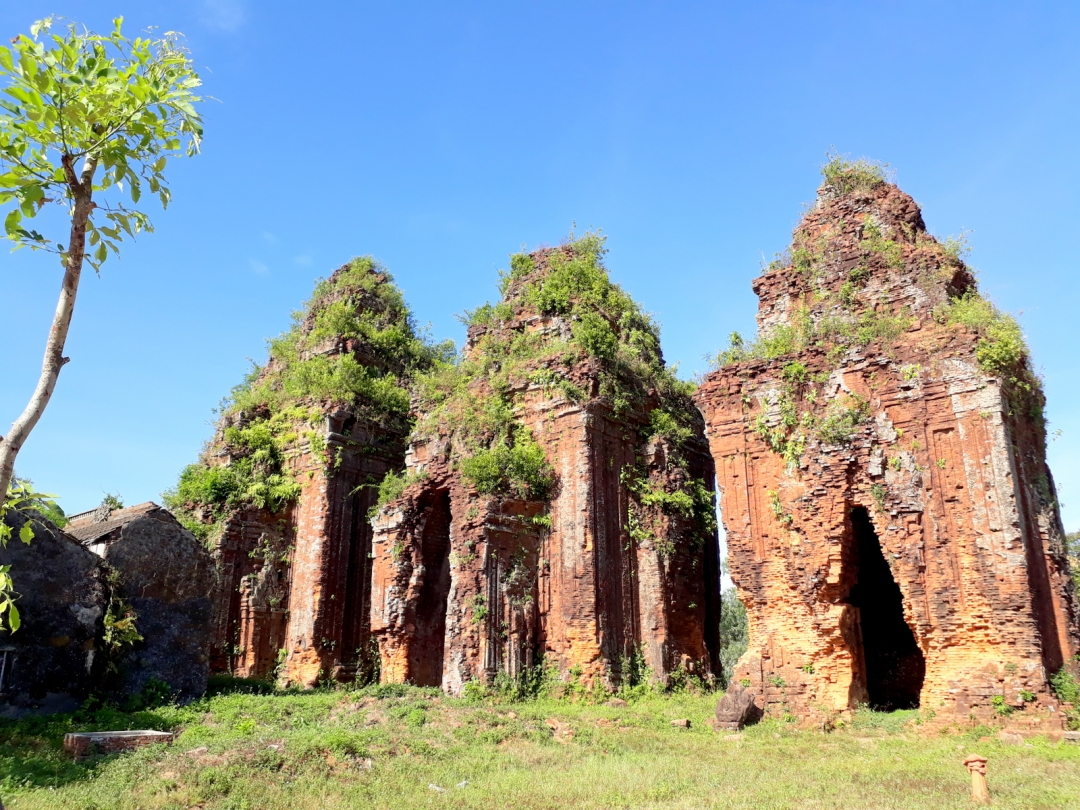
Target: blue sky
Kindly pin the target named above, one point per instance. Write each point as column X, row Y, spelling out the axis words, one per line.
column 440, row 137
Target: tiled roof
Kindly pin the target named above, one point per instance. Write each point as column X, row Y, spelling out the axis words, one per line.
column 87, row 527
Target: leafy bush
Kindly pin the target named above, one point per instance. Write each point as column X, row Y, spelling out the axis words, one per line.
column 1001, row 348
column 594, row 334
column 831, row 333
column 670, row 426
column 477, row 400
column 957, row 247
column 521, row 469
column 876, row 241
column 549, row 379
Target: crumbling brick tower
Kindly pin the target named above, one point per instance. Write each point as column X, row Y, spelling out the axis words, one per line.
column 558, row 499
column 283, row 490
column 892, row 525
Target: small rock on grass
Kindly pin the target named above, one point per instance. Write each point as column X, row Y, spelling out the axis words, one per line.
column 1010, row 738
column 681, row 723
column 617, row 703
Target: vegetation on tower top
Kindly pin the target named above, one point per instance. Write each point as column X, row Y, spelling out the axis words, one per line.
column 352, row 346
column 902, row 276
column 562, row 326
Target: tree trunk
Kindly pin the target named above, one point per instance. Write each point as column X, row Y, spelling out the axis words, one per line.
column 82, row 192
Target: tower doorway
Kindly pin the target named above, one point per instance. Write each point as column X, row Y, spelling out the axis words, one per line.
column 427, row 644
column 895, row 666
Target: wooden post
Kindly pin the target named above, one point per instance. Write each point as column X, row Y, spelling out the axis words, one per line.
column 976, row 765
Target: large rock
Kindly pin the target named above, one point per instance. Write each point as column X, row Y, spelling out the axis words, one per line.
column 168, row 577
column 52, row 661
column 736, row 708
column 891, row 521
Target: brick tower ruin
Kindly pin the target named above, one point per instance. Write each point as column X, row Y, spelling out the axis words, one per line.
column 892, row 524
column 557, row 501
column 283, row 490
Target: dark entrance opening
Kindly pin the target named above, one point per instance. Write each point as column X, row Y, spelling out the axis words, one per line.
column 426, row 646
column 356, row 653
column 895, row 666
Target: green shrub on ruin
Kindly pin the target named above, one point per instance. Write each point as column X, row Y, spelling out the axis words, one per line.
column 835, row 334
column 1001, row 348
column 477, row 399
column 394, row 484
column 519, row 470
column 359, row 303
column 842, row 419
column 845, row 176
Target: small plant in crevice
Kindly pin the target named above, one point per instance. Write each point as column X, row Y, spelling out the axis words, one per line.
column 957, row 247
column 1001, row 707
column 120, row 632
column 879, row 492
column 842, row 419
column 478, row 607
column 778, row 508
column 1067, row 687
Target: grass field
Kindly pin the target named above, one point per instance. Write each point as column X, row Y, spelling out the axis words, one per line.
column 404, row 747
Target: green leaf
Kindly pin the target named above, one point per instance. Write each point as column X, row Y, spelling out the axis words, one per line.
column 14, row 620
column 101, row 253
column 11, row 222
column 26, row 533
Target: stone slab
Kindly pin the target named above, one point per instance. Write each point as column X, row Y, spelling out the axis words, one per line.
column 82, row 745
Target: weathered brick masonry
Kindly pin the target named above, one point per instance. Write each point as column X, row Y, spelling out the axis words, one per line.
column 892, row 525
column 469, row 585
column 285, row 485
column 296, row 582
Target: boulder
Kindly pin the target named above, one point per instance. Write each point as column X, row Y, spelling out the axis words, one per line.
column 736, row 709
column 166, row 575
column 51, row 662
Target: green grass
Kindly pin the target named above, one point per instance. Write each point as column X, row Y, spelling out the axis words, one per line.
column 384, row 747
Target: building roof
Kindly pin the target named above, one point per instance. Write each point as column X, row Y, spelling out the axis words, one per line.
column 87, row 527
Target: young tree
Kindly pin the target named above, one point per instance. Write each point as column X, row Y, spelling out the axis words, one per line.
column 85, row 115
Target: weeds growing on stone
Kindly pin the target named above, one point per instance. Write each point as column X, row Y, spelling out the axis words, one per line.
column 844, row 175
